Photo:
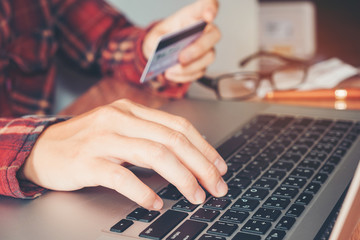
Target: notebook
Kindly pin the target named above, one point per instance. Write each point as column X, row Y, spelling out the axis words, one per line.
column 288, row 168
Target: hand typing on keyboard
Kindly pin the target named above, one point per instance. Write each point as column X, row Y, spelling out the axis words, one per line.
column 92, row 149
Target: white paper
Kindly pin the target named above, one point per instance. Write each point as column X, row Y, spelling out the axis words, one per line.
column 324, row 75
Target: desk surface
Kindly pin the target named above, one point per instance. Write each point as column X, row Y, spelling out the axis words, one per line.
column 109, row 90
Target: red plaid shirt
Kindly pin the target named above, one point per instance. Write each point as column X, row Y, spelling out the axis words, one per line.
column 89, row 33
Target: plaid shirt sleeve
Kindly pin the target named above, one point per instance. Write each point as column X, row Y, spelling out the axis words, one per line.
column 93, row 32
column 17, row 137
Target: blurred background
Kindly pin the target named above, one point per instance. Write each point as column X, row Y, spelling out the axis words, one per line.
column 305, row 29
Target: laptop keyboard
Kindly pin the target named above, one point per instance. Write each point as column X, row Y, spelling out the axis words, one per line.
column 276, row 166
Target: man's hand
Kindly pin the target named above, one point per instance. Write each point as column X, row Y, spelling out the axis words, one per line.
column 92, row 149
column 195, row 58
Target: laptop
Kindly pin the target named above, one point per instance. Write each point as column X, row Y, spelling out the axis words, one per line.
column 288, row 170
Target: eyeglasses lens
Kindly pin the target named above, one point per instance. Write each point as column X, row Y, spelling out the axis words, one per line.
column 288, row 78
column 237, row 86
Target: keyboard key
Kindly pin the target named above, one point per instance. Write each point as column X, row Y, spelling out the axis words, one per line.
column 234, row 166
column 227, row 176
column 170, row 193
column 305, row 142
column 351, row 136
column 304, row 198
column 245, row 204
column 188, row 230
column 312, row 188
column 256, row 193
column 233, row 192
column 239, row 182
column 268, row 156
column 256, row 226
column 317, row 156
column 151, row 215
column 249, row 174
column 290, row 157
column 245, row 236
column 240, row 158
column 260, row 142
column 234, row 216
column 143, row 215
column 206, row 215
column 334, row 160
column 320, row 178
column 323, row 122
column 277, row 202
column 335, row 134
column 310, row 164
column 121, row 226
column 282, row 122
column 317, row 130
column 302, row 172
column 304, row 122
column 275, row 174
column 257, row 165
column 217, row 203
column 298, row 149
column 284, row 141
column 281, row 165
column 327, row 169
column 223, row 229
column 250, row 150
column 274, row 150
column 294, row 182
column 276, row 235
column 329, row 140
column 287, row 192
column 265, row 183
column 267, row 214
column 211, row 237
column 321, row 147
column 340, row 151
column 184, row 205
column 345, row 144
column 295, row 210
column 163, row 225
column 230, row 146
column 285, row 223
column 137, row 214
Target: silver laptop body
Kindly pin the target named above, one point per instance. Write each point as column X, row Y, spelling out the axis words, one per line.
column 90, row 213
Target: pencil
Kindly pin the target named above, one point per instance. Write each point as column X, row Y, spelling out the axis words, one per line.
column 321, row 94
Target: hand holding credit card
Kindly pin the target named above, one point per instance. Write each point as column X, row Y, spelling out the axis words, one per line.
column 166, row 53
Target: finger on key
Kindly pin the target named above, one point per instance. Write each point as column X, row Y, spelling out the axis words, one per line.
column 114, row 176
column 154, row 155
column 185, row 127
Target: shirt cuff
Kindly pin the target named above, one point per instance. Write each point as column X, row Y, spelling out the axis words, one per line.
column 31, row 128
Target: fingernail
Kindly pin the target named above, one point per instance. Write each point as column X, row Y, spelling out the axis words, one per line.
column 220, row 165
column 222, row 187
column 157, row 204
column 199, row 196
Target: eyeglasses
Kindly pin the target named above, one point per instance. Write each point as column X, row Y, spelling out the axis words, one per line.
column 283, row 73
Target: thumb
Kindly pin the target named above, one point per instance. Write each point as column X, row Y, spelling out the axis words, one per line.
column 204, row 9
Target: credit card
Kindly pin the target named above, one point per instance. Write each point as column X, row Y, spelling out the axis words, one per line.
column 168, row 48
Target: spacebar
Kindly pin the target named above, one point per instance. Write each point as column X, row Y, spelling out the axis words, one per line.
column 163, row 225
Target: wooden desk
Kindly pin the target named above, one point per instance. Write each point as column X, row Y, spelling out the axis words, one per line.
column 109, row 90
